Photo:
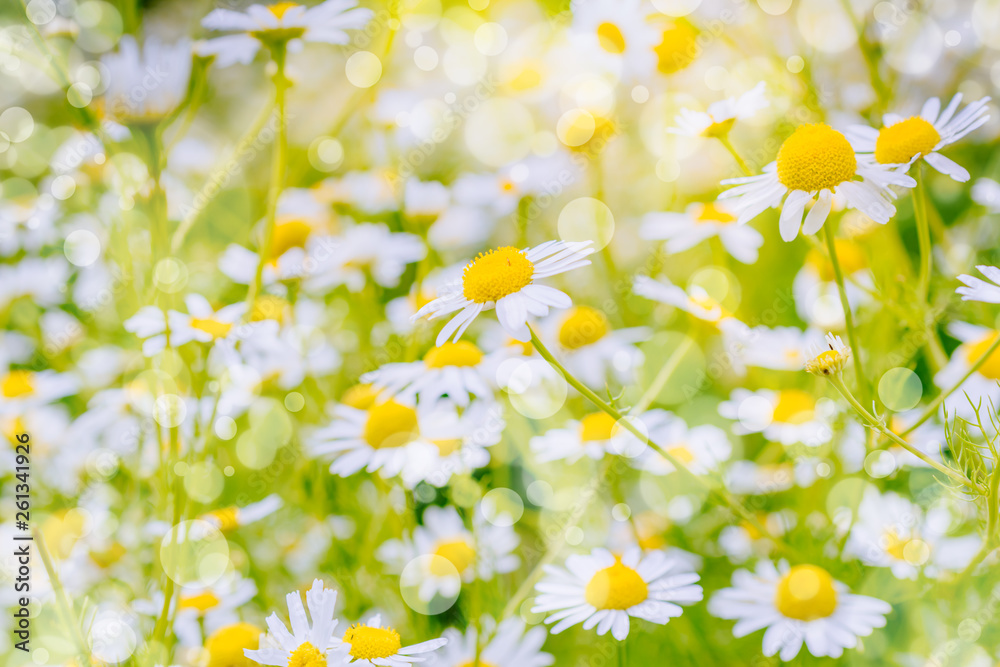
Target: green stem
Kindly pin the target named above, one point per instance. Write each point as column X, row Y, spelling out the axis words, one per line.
column 862, row 379
column 724, row 140
column 936, row 403
column 838, row 382
column 627, row 424
column 63, row 603
column 923, row 236
column 281, row 83
column 664, row 374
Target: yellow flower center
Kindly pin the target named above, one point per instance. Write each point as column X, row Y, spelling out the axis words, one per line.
column 815, row 157
column 225, row 646
column 457, row 552
column 826, row 363
column 462, row 353
column 524, row 76
column 227, row 518
column 896, row 546
column 719, row 129
column 616, row 587
column 211, row 326
column 202, row 601
column 472, row 663
column 991, row 367
column 360, row 396
column 850, row 254
column 794, row 407
column 279, row 8
column 494, row 274
column 611, row 38
column 806, row 593
column 372, row 643
column 307, row 655
column 448, row 446
column 17, row 383
column 390, row 425
column 682, row 453
column 678, row 48
column 269, row 307
column 287, row 235
column 596, row 426
column 62, row 530
column 898, row 143
column 583, row 326
column 507, row 185
column 711, row 213
column 109, row 556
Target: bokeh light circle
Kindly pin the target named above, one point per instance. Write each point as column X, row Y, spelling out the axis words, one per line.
column 194, row 553
column 587, row 219
column 900, row 389
column 430, row 584
column 502, row 507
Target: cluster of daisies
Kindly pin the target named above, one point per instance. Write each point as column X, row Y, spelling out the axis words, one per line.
column 446, row 352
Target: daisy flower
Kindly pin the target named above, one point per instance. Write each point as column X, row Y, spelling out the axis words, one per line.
column 695, row 301
column 817, row 296
column 593, row 436
column 366, row 249
column 230, row 518
column 458, row 554
column 976, row 289
column 311, row 642
column 700, row 222
column 815, row 163
column 903, row 141
column 798, row 604
column 146, row 87
column 890, row 531
column 617, row 34
column 720, row 116
column 591, row 349
column 201, row 323
column 606, row 591
column 743, row 541
column 326, row 22
column 381, row 437
column 457, row 370
column 778, row 348
column 436, row 461
column 831, row 359
column 226, row 646
column 981, row 385
column 699, row 448
column 751, row 478
column 505, row 279
column 510, row 646
column 202, row 610
column 789, row 416
column 23, row 390
column 372, row 645
column 299, row 226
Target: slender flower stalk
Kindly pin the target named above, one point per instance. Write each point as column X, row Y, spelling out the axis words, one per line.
column 64, row 606
column 923, row 236
column 278, row 53
column 663, row 376
column 627, row 424
column 724, row 140
column 852, row 337
column 878, row 424
column 936, row 403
